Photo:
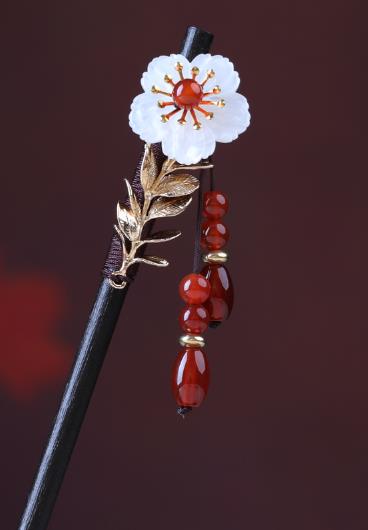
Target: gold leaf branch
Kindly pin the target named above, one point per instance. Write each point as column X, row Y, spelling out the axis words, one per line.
column 166, row 193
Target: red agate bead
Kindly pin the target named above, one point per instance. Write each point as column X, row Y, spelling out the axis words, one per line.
column 214, row 234
column 187, row 94
column 194, row 289
column 215, row 204
column 220, row 302
column 190, row 377
column 194, row 319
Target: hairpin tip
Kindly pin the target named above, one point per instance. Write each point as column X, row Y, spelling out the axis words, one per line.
column 182, row 411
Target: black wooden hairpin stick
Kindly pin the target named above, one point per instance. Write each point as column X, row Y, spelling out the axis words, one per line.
column 89, row 359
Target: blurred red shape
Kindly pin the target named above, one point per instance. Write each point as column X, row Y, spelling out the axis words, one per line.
column 32, row 355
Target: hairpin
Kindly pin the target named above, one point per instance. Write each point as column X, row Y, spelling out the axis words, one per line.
column 189, row 102
column 187, row 106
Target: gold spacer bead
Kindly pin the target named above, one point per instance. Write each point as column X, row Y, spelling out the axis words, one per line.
column 220, row 103
column 164, row 118
column 217, row 256
column 216, row 89
column 178, row 67
column 209, row 116
column 195, row 70
column 161, row 104
column 211, row 73
column 182, row 121
column 192, row 341
column 197, row 126
column 154, row 89
column 167, row 79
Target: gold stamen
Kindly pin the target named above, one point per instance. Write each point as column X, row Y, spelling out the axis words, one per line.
column 156, row 90
column 215, row 90
column 209, row 115
column 163, row 104
column 179, row 69
column 210, row 74
column 219, row 103
column 195, row 71
column 166, row 117
column 169, row 80
column 197, row 125
column 182, row 119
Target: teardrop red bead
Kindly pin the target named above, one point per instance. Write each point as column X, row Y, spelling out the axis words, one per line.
column 221, row 299
column 190, row 377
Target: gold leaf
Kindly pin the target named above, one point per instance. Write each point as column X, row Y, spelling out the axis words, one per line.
column 191, row 168
column 153, row 260
column 165, row 195
column 162, row 237
column 148, row 169
column 134, row 204
column 176, row 185
column 168, row 166
column 168, row 207
column 127, row 222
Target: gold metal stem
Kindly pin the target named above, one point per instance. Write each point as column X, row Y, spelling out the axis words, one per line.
column 166, row 194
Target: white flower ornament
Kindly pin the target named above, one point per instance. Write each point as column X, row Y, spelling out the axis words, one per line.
column 201, row 105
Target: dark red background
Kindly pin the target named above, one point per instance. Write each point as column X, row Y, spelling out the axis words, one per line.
column 282, row 440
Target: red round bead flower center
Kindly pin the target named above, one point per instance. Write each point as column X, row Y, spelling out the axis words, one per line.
column 187, row 94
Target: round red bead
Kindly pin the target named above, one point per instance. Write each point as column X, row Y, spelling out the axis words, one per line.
column 194, row 319
column 215, row 204
column 214, row 234
column 194, row 289
column 187, row 93
column 190, row 378
column 220, row 302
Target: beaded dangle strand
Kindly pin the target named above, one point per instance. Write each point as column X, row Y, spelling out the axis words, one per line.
column 214, row 237
column 209, row 300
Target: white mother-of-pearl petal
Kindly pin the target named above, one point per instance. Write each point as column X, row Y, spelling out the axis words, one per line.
column 225, row 75
column 145, row 118
column 183, row 142
column 233, row 119
column 186, row 144
column 161, row 66
column 187, row 65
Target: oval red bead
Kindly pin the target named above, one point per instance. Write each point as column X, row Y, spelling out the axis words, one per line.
column 220, row 302
column 215, row 204
column 194, row 289
column 214, row 234
column 194, row 319
column 190, row 377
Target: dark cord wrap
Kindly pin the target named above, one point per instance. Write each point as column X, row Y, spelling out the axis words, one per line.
column 114, row 256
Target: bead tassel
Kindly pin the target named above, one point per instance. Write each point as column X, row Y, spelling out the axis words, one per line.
column 209, row 299
column 190, row 376
column 214, row 236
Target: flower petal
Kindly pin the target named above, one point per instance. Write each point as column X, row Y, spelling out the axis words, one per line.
column 233, row 119
column 144, row 118
column 159, row 67
column 187, row 145
column 182, row 142
column 225, row 75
